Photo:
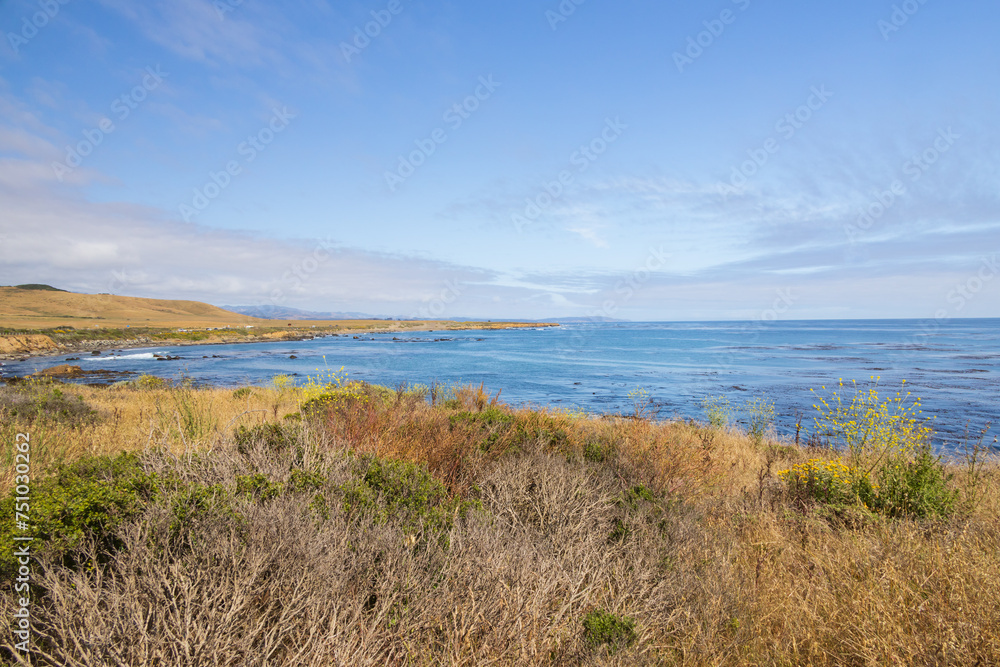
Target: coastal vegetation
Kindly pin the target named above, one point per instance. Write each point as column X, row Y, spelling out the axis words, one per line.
column 346, row 523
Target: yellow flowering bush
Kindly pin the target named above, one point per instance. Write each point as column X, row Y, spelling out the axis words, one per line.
column 890, row 468
column 869, row 428
column 831, row 482
column 331, row 388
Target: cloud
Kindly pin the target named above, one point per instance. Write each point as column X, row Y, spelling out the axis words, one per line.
column 234, row 38
column 133, row 250
column 194, row 30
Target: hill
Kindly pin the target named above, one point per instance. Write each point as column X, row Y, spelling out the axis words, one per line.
column 41, row 306
column 39, row 319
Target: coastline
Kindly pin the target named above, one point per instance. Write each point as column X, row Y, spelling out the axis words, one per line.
column 45, row 343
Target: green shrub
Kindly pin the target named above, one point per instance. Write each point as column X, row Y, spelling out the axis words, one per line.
column 620, row 531
column 319, row 507
column 303, row 480
column 917, row 487
column 257, row 487
column 490, row 416
column 399, row 491
column 148, row 382
column 601, row 628
column 44, row 401
column 636, row 494
column 597, row 451
column 243, row 392
column 90, row 497
column 630, row 502
column 890, row 468
column 195, row 505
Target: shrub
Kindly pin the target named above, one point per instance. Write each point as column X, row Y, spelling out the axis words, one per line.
column 872, row 429
column 760, row 419
column 829, row 482
column 916, row 487
column 242, row 392
column 303, row 480
column 400, row 491
column 642, row 404
column 890, row 468
column 272, row 437
column 594, row 452
column 149, row 382
column 601, row 628
column 335, row 390
column 91, row 497
column 282, row 382
column 718, row 411
column 195, row 505
column 257, row 487
column 637, row 494
column 45, row 402
column 490, row 416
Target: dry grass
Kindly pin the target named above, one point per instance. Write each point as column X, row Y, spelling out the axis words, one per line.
column 681, row 527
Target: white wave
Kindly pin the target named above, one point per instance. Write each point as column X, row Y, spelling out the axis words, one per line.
column 140, row 355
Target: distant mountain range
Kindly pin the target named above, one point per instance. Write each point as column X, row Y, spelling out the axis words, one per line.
column 581, row 320
column 284, row 313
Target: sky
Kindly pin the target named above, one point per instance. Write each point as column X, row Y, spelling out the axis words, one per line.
column 731, row 159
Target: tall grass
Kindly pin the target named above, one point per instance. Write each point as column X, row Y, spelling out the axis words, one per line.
column 361, row 525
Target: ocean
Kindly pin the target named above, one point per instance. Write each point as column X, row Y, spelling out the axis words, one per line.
column 952, row 365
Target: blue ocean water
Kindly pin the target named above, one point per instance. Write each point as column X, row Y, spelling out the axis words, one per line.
column 953, row 365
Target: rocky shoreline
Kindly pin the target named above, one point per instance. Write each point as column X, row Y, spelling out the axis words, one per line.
column 91, row 346
column 25, row 346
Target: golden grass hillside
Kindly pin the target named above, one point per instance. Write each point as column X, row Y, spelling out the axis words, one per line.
column 39, row 309
column 32, row 310
column 345, row 523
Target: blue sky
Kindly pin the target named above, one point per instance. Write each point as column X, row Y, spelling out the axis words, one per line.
column 508, row 159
